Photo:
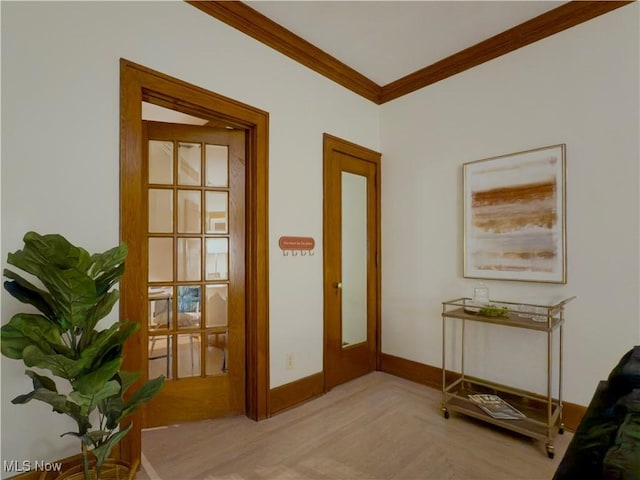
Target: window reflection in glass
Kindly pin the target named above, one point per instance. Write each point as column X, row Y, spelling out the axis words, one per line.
column 160, row 210
column 189, row 219
column 160, row 259
column 189, row 265
column 217, row 259
column 159, row 358
column 188, row 355
column 160, row 162
column 189, row 306
column 189, row 160
column 217, row 165
column 217, row 205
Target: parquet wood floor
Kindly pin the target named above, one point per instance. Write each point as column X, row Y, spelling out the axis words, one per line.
column 373, row 428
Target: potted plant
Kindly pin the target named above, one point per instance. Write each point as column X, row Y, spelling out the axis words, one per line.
column 77, row 290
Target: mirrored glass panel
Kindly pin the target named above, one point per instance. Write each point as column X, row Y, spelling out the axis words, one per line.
column 217, row 206
column 160, row 162
column 217, row 165
column 189, row 161
column 189, row 306
column 354, row 259
column 160, row 259
column 217, row 353
column 217, row 267
column 189, row 264
column 160, row 308
column 159, row 358
column 160, row 210
column 217, row 305
column 189, row 208
column 188, row 355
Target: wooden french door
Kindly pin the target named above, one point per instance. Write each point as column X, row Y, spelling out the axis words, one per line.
column 351, row 253
column 195, row 275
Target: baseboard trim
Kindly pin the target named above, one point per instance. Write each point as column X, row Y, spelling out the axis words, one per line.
column 432, row 377
column 295, row 393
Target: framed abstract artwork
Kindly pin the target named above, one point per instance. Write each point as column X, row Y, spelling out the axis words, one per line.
column 514, row 216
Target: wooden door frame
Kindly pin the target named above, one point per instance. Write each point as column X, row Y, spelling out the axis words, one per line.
column 138, row 84
column 335, row 144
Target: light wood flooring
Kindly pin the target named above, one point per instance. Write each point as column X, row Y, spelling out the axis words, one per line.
column 376, row 427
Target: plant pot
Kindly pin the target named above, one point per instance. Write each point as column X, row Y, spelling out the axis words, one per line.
column 111, row 470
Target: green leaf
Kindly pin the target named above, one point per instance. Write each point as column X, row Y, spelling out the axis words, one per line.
column 108, row 259
column 25, row 329
column 127, row 379
column 40, row 381
column 57, row 364
column 57, row 250
column 103, row 451
column 60, row 404
column 26, row 292
column 13, row 342
column 101, row 309
column 108, row 267
column 141, row 396
column 94, row 382
column 108, row 343
column 74, row 292
column 88, row 402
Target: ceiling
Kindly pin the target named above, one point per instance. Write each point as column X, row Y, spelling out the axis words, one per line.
column 383, row 50
column 387, row 40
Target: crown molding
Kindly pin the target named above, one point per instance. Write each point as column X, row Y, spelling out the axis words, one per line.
column 542, row 26
column 265, row 30
column 251, row 22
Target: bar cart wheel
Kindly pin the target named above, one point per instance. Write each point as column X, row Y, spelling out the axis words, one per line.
column 550, row 450
column 445, row 412
column 561, row 429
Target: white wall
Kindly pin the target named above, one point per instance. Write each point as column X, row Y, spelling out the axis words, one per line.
column 60, row 156
column 579, row 87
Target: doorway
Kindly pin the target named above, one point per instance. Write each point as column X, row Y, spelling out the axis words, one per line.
column 351, row 261
column 195, row 182
column 140, row 84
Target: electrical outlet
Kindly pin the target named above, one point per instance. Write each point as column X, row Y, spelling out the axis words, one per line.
column 289, row 361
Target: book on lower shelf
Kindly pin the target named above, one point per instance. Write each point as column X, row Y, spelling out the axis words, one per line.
column 496, row 406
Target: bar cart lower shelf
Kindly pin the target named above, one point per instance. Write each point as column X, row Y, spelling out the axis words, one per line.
column 541, row 414
column 534, row 407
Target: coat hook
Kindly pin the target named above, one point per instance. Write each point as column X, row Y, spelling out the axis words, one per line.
column 285, row 253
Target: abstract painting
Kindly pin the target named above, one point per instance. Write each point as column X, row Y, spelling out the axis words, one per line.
column 514, row 216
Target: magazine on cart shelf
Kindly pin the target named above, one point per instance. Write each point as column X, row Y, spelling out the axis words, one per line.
column 496, row 407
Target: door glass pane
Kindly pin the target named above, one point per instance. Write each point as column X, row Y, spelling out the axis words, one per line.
column 217, row 259
column 217, row 353
column 189, row 266
column 159, row 358
column 161, row 259
column 189, row 306
column 160, row 211
column 160, row 162
column 217, row 165
column 189, row 211
column 217, row 207
column 160, row 311
column 354, row 259
column 217, row 305
column 189, row 155
column 188, row 355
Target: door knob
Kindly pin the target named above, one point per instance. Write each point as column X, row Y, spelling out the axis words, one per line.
column 338, row 285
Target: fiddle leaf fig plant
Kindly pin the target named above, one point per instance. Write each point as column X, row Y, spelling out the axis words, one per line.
column 76, row 290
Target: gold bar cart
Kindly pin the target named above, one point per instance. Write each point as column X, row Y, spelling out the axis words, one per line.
column 543, row 413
